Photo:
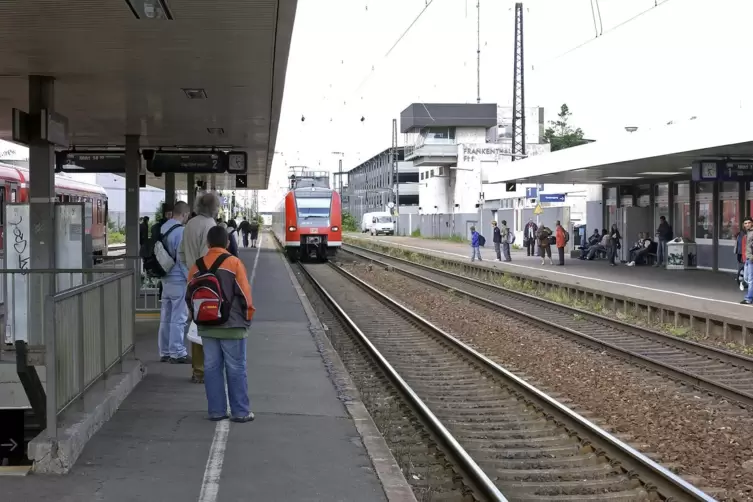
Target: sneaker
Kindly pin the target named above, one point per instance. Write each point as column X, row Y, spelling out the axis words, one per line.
column 746, row 302
column 242, row 420
column 179, row 360
column 542, row 262
column 164, row 359
column 219, row 418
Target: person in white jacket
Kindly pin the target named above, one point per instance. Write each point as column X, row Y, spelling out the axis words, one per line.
column 192, row 247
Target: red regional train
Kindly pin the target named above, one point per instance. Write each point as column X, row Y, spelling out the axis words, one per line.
column 308, row 223
column 14, row 187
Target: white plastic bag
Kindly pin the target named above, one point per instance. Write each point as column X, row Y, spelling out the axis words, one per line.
column 193, row 334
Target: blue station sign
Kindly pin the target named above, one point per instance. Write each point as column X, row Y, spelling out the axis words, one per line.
column 552, row 197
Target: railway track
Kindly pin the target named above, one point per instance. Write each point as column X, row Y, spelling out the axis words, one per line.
column 717, row 371
column 512, row 441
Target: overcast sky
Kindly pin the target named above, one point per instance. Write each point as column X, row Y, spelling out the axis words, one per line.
column 683, row 58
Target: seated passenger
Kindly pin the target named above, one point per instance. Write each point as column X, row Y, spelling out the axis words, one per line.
column 601, row 247
column 219, row 299
column 638, row 256
column 637, row 246
column 592, row 241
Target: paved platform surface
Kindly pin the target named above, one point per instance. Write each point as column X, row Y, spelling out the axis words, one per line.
column 697, row 290
column 302, row 446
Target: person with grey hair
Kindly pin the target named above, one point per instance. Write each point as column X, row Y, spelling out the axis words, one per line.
column 194, row 246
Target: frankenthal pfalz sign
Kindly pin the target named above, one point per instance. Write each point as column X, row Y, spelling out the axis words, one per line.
column 484, row 153
column 495, row 152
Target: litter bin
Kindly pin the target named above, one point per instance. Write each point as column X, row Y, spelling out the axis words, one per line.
column 681, row 254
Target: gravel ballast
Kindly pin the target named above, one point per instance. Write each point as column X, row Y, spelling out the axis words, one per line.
column 707, row 441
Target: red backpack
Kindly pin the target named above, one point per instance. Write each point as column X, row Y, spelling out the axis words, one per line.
column 208, row 304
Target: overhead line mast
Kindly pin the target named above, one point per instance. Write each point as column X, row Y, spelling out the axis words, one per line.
column 518, row 94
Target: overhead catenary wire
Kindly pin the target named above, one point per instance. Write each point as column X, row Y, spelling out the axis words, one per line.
column 374, row 67
column 657, row 3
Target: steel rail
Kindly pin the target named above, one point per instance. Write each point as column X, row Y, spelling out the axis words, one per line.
column 669, row 484
column 476, row 474
column 739, row 397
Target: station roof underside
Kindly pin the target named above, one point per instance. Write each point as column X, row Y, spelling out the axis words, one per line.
column 640, row 157
column 118, row 74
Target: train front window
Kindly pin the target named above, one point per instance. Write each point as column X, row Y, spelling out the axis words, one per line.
column 313, row 208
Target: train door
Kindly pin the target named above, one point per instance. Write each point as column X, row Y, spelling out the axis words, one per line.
column 13, row 190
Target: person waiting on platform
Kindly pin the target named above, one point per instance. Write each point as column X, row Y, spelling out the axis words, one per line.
column 664, row 234
column 747, row 257
column 475, row 245
column 613, row 245
column 173, row 313
column 192, row 247
column 254, row 228
column 545, row 244
column 600, row 247
column 497, row 240
column 219, row 297
column 561, row 238
column 232, row 229
column 244, row 228
column 640, row 251
column 638, row 245
column 592, row 241
column 529, row 238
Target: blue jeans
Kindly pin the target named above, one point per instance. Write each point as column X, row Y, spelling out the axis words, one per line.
column 475, row 253
column 228, row 357
column 172, row 320
column 661, row 252
column 748, row 274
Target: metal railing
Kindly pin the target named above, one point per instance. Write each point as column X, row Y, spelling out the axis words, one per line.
column 148, row 291
column 88, row 331
column 26, row 291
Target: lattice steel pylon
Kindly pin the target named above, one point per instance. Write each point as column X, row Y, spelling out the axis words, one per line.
column 518, row 92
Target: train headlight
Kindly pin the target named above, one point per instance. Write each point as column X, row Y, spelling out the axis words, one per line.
column 291, row 229
column 335, row 228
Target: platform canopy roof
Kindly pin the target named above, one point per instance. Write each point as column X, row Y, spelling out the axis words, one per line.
column 132, row 66
column 652, row 155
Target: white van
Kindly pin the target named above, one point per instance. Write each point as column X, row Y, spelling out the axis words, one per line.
column 381, row 223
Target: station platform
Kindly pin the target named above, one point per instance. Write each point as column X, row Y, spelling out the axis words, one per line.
column 696, row 290
column 303, row 445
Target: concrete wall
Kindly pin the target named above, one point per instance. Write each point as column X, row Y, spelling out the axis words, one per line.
column 438, row 225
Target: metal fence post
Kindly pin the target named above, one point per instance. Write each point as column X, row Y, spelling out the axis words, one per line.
column 80, row 357
column 120, row 324
column 50, row 356
column 102, row 331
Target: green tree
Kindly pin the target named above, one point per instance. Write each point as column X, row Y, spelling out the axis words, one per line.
column 561, row 134
column 349, row 223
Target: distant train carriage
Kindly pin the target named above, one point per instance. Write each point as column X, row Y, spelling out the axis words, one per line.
column 308, row 223
column 14, row 186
